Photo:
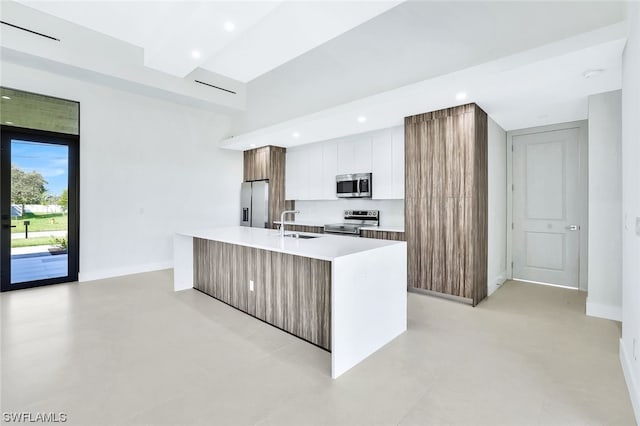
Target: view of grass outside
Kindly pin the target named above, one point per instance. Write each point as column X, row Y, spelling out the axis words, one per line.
column 39, row 223
column 31, row 242
column 39, row 178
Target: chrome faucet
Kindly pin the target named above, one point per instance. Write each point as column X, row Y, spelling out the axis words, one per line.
column 282, row 219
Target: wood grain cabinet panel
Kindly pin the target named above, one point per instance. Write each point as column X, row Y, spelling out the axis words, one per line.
column 446, row 202
column 268, row 163
column 290, row 292
column 382, row 235
column 256, row 164
column 305, row 228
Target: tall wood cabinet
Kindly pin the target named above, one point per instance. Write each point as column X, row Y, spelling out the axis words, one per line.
column 268, row 163
column 446, row 202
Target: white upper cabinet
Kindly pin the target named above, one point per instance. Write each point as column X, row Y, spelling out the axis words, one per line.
column 354, row 155
column 397, row 159
column 296, row 177
column 310, row 172
column 314, row 165
column 329, row 169
column 388, row 163
column 346, row 156
column 362, row 163
column 382, row 165
column 311, row 169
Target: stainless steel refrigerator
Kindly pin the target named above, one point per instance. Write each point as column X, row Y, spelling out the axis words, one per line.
column 254, row 203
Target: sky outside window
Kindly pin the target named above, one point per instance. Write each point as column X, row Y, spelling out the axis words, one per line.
column 51, row 161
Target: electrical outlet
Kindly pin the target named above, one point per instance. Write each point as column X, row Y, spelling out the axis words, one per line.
column 250, row 285
column 638, row 226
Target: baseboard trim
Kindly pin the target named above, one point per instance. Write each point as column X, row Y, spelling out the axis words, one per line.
column 497, row 283
column 118, row 272
column 599, row 310
column 632, row 385
column 460, row 299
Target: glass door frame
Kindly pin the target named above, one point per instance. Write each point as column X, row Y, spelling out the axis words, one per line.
column 9, row 133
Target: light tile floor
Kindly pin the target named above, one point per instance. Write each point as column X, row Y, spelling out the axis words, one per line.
column 130, row 351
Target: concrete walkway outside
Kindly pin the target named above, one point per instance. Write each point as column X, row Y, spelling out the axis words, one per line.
column 39, row 234
column 15, row 251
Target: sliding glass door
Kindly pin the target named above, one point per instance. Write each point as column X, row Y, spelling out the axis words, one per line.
column 38, row 207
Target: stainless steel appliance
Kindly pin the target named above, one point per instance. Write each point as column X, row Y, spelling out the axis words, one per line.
column 357, row 185
column 353, row 221
column 254, row 204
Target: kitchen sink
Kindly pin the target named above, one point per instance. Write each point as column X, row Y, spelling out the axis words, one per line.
column 300, row 236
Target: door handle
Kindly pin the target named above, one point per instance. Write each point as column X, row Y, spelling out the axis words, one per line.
column 572, row 228
column 8, row 226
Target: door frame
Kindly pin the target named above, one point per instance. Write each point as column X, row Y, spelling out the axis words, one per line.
column 583, row 177
column 73, row 226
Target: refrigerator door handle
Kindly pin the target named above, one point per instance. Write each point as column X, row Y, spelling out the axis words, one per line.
column 245, row 214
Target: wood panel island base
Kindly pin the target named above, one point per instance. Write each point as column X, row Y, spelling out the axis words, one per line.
column 346, row 295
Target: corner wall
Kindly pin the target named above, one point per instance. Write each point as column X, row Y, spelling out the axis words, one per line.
column 497, row 206
column 605, row 203
column 630, row 342
column 148, row 168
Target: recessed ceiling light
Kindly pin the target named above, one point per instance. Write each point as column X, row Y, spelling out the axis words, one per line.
column 6, row 97
column 461, row 96
column 195, row 54
column 592, row 73
column 362, row 119
column 229, row 26
column 253, row 145
column 295, row 135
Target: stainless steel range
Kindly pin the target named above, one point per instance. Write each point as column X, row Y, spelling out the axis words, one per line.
column 353, row 221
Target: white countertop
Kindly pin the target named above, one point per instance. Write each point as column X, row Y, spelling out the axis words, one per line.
column 373, row 228
column 325, row 247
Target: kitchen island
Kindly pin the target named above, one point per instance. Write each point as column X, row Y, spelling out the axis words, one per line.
column 347, row 295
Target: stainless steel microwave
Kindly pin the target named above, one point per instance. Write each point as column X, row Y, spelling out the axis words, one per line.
column 357, row 185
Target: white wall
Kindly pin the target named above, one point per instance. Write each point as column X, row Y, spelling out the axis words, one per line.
column 630, row 342
column 332, row 211
column 605, row 197
column 497, row 206
column 154, row 165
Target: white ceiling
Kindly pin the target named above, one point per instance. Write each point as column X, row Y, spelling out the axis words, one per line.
column 533, row 88
column 413, row 42
column 267, row 34
column 313, row 66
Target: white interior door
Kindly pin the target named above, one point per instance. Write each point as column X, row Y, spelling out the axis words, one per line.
column 546, row 209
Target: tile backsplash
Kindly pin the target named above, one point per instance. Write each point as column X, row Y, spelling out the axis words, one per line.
column 332, row 211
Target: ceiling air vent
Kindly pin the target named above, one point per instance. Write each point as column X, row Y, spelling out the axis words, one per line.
column 215, row 87
column 29, row 31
